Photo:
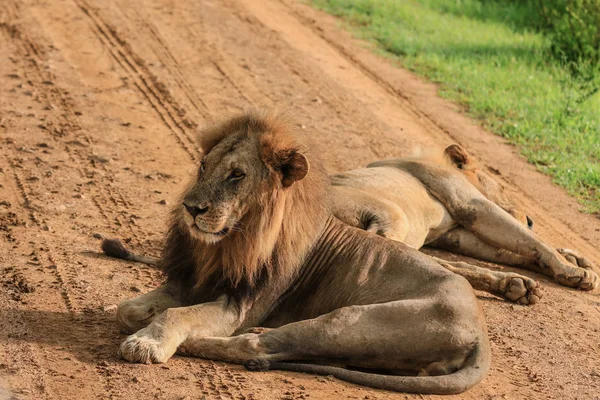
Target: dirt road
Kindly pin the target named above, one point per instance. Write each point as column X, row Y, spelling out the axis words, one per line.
column 99, row 103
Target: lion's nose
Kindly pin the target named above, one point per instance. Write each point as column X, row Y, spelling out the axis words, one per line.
column 195, row 210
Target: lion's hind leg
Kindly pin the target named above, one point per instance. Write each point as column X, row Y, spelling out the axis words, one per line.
column 137, row 313
column 510, row 286
column 409, row 335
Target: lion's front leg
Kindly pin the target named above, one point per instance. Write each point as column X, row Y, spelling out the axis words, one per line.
column 137, row 313
column 157, row 342
column 510, row 286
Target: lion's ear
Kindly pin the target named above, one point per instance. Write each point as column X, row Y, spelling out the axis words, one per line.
column 457, row 155
column 294, row 167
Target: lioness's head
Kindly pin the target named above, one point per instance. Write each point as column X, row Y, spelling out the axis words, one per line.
column 258, row 199
column 489, row 187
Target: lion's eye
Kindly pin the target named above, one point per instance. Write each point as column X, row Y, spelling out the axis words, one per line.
column 202, row 166
column 236, row 174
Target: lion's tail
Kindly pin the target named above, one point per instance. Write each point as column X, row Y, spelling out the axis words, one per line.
column 115, row 248
column 472, row 371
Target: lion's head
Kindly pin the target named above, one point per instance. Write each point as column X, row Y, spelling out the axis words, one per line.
column 490, row 188
column 258, row 201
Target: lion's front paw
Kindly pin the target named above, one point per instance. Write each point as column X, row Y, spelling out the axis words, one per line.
column 520, row 289
column 143, row 347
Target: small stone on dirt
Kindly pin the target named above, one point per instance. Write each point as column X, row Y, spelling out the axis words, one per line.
column 135, row 289
column 97, row 235
column 24, row 149
column 76, row 143
column 163, row 202
column 109, row 308
column 99, row 159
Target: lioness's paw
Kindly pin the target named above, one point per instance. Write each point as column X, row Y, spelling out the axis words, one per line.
column 574, row 258
column 589, row 281
column 584, row 279
column 141, row 347
column 520, row 289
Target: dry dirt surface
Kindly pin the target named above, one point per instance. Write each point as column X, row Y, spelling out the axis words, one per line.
column 99, row 104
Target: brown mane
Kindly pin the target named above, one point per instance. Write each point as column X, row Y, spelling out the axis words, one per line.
column 273, row 237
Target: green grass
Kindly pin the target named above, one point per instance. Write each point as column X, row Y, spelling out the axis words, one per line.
column 487, row 56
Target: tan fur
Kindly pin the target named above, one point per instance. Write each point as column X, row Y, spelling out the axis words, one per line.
column 442, row 201
column 455, row 157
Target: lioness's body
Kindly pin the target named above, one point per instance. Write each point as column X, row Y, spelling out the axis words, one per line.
column 415, row 218
column 261, row 247
column 449, row 206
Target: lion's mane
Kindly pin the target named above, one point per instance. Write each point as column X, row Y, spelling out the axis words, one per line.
column 274, row 236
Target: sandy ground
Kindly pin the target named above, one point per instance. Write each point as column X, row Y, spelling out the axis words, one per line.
column 99, row 103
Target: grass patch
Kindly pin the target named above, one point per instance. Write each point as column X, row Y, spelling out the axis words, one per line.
column 487, row 56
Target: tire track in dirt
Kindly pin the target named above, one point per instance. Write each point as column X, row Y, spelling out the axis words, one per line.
column 42, row 80
column 158, row 99
column 13, row 323
column 206, row 42
column 59, row 272
column 222, row 382
column 40, row 77
column 164, row 54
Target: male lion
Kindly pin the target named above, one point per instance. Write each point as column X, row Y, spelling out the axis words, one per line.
column 255, row 243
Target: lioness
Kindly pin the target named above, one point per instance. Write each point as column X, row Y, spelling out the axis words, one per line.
column 452, row 205
column 254, row 243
